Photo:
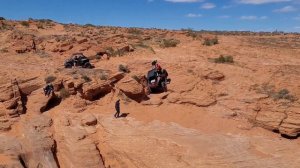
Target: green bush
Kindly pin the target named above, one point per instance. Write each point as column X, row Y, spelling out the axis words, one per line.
column 166, row 43
column 224, row 59
column 123, row 68
column 25, row 23
column 86, row 78
column 63, row 93
column 210, row 42
column 50, row 79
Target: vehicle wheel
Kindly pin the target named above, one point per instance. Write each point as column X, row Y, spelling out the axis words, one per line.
column 68, row 66
column 87, row 65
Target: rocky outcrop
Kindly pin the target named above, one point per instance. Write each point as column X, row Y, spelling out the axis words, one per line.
column 278, row 118
column 10, row 152
column 39, row 103
column 94, row 91
column 132, row 89
column 203, row 100
column 214, row 75
column 75, row 148
column 6, row 93
column 37, row 142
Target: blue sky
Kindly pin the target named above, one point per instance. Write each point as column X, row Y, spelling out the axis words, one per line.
column 254, row 15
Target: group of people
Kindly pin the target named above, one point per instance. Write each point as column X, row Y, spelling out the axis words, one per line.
column 162, row 74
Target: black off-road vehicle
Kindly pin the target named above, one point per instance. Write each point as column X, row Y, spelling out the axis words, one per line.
column 157, row 81
column 78, row 60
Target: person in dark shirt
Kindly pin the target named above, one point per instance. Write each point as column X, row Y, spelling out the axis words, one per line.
column 48, row 89
column 117, row 107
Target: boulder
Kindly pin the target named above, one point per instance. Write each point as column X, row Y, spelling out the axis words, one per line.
column 93, row 91
column 291, row 124
column 132, row 89
column 270, row 117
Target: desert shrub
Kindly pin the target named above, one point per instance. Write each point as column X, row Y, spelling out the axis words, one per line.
column 50, row 79
column 110, row 51
column 275, row 95
column 134, row 31
column 103, row 76
column 2, row 18
column 166, row 43
column 223, row 59
column 284, row 94
column 25, row 23
column 210, row 42
column 191, row 33
column 123, row 68
column 86, row 78
column 63, row 93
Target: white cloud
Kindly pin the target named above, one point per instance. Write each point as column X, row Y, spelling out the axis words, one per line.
column 297, row 18
column 224, row 17
column 286, row 9
column 184, row 1
column 263, row 17
column 248, row 17
column 258, row 2
column 193, row 15
column 253, row 17
column 208, row 6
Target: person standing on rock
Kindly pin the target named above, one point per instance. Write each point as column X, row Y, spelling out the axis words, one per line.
column 117, row 107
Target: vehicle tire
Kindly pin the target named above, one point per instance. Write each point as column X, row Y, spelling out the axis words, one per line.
column 68, row 65
column 87, row 65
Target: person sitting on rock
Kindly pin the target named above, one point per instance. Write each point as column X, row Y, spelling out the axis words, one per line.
column 48, row 89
